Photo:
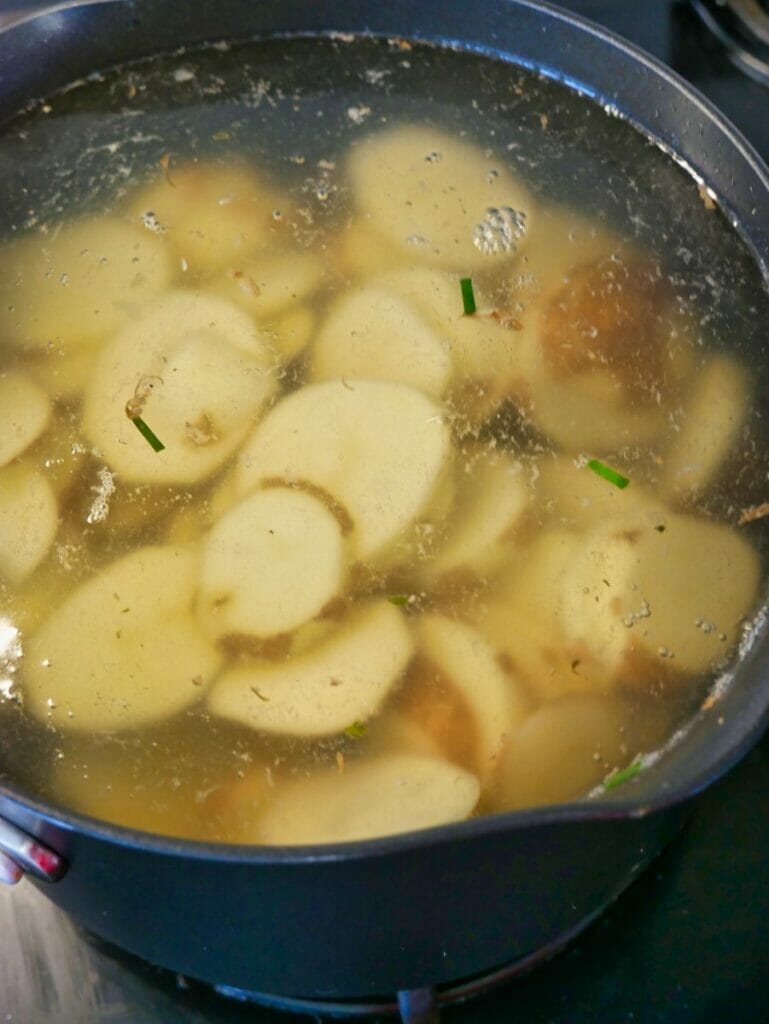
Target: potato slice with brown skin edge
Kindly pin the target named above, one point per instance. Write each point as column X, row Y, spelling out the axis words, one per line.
column 634, row 596
column 496, row 701
column 430, row 207
column 118, row 675
column 389, row 794
column 342, row 680
column 25, row 412
column 381, row 449
column 271, row 563
column 210, row 373
column 29, row 519
column 524, row 622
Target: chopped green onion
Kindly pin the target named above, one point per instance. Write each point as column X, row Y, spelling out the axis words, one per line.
column 398, row 599
column 623, row 775
column 468, row 298
column 608, row 473
column 356, row 730
column 152, row 439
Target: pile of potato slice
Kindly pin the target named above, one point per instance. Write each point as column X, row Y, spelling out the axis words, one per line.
column 368, row 553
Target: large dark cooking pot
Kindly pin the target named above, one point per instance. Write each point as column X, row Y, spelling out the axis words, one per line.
column 424, row 908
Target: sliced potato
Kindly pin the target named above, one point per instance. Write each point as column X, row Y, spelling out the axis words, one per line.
column 644, row 601
column 431, row 195
column 489, row 361
column 211, row 216
column 290, row 332
column 273, row 284
column 493, row 494
column 118, row 673
column 379, row 448
column 497, row 702
column 389, row 794
column 79, row 286
column 564, row 240
column 201, row 373
column 360, row 252
column 270, row 564
column 524, row 620
column 569, row 495
column 606, row 335
column 322, row 692
column 562, row 750
column 62, row 370
column 29, row 519
column 24, row 414
column 375, row 335
column 713, row 415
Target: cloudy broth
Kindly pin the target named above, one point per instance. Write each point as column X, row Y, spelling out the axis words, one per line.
column 297, row 546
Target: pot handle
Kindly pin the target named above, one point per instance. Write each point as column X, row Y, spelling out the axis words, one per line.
column 20, row 854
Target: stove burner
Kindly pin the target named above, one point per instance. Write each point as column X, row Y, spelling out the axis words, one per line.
column 415, row 1006
column 742, row 26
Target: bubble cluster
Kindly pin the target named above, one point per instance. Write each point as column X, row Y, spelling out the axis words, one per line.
column 500, row 230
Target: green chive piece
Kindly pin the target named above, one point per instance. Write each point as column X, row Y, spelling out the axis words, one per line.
column 468, row 297
column 356, row 730
column 152, row 439
column 608, row 473
column 623, row 775
column 398, row 599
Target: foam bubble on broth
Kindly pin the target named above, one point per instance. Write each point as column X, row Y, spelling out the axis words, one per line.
column 283, row 233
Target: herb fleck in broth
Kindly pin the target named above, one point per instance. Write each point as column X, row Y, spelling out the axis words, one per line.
column 366, row 463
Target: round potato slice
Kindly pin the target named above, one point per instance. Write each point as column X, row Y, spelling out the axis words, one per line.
column 197, row 371
column 380, row 449
column 440, row 200
column 270, row 564
column 24, row 414
column 524, row 620
column 387, row 795
column 562, row 750
column 493, row 495
column 321, row 692
column 29, row 519
column 375, row 335
column 713, row 415
column 101, row 661
column 639, row 599
column 80, row 286
column 497, row 702
column 210, row 216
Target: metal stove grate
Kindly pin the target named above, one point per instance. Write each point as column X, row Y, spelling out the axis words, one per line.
column 415, row 1006
column 742, row 26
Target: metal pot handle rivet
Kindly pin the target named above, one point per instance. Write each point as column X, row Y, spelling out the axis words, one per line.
column 21, row 854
